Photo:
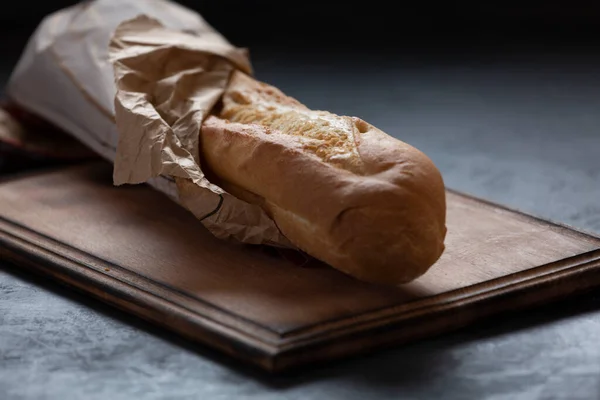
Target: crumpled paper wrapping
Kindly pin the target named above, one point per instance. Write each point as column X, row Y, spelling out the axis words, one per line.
column 133, row 80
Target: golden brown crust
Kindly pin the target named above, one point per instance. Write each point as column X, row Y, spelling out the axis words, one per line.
column 328, row 136
column 378, row 213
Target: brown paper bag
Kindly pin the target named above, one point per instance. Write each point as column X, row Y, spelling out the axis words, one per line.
column 133, row 81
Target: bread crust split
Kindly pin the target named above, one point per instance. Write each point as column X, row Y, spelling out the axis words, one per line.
column 337, row 187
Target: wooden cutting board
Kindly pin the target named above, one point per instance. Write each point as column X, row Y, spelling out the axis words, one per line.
column 133, row 248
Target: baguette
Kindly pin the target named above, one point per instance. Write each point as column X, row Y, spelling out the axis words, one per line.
column 338, row 188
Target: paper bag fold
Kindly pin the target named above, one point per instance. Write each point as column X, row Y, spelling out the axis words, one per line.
column 134, row 80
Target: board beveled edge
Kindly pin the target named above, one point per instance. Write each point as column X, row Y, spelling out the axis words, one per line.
column 31, row 254
column 373, row 330
column 564, row 227
column 423, row 323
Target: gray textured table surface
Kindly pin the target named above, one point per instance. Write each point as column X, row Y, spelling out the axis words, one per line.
column 523, row 131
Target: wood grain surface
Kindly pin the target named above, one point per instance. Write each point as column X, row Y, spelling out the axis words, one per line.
column 132, row 247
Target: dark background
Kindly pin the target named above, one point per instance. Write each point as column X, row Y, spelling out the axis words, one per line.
column 346, row 33
column 321, row 25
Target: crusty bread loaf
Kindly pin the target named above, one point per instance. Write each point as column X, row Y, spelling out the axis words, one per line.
column 338, row 188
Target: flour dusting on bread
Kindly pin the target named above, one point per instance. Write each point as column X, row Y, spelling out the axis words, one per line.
column 330, row 137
